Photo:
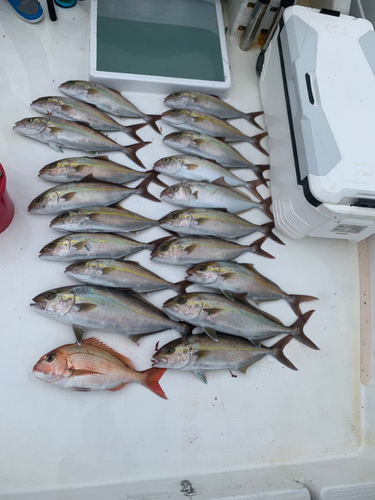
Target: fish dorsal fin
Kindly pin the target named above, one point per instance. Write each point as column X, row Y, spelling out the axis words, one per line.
column 94, row 342
column 220, row 182
column 160, row 241
column 132, row 262
column 223, row 139
column 118, row 206
column 84, row 124
column 247, row 265
column 139, row 297
column 117, row 92
column 213, row 95
column 106, row 158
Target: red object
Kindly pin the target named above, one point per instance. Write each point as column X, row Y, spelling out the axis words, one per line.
column 6, row 205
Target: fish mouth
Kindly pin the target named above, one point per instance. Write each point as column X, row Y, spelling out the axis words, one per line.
column 39, row 304
column 166, row 194
column 158, row 362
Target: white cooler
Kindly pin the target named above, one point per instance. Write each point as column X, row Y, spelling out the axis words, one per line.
column 318, row 93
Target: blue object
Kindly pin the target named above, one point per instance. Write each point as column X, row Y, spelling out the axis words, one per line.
column 28, row 10
column 66, row 3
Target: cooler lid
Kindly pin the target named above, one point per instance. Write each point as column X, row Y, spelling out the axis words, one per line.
column 328, row 64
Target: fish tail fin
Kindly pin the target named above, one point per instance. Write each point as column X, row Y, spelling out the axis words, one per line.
column 295, row 300
column 297, row 327
column 260, row 169
column 144, row 192
column 277, row 351
column 256, row 248
column 151, row 381
column 252, row 185
column 151, row 120
column 131, row 152
column 156, row 243
column 265, row 207
column 184, row 329
column 251, row 118
column 255, row 141
column 153, row 175
column 181, row 286
column 131, row 130
column 268, row 231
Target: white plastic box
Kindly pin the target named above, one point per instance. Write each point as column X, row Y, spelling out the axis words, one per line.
column 317, row 89
column 157, row 20
column 272, row 434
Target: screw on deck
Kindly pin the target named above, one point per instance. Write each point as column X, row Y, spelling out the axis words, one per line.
column 187, row 488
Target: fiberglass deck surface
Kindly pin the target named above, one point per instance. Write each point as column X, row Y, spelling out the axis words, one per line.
column 50, row 437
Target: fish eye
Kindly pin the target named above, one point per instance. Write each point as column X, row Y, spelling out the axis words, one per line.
column 181, row 300
column 164, row 248
column 29, row 120
column 167, row 160
column 174, row 188
column 81, row 264
column 53, row 165
column 51, row 245
column 170, row 350
column 64, row 215
column 174, row 216
column 39, row 199
column 50, row 357
column 202, row 268
column 175, row 134
column 50, row 295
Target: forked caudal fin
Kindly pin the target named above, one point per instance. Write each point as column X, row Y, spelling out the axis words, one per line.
column 151, row 381
column 181, row 286
column 297, row 327
column 251, row 118
column 252, row 185
column 277, row 349
column 295, row 301
column 131, row 130
column 131, row 152
column 256, row 248
column 153, row 175
column 267, row 229
column 255, row 141
column 259, row 170
column 265, row 207
column 151, row 120
column 144, row 192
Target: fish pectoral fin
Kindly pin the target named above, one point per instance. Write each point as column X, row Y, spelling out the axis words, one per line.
column 55, row 146
column 92, row 92
column 78, row 332
column 201, row 221
column 201, row 376
column 85, row 307
column 201, row 354
column 80, row 245
column 211, row 333
column 66, row 107
column 228, row 294
column 213, row 310
column 68, row 196
column 108, row 270
column 117, row 388
column 190, row 248
column 191, row 166
column 196, row 194
column 227, row 276
column 244, row 368
column 77, row 373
